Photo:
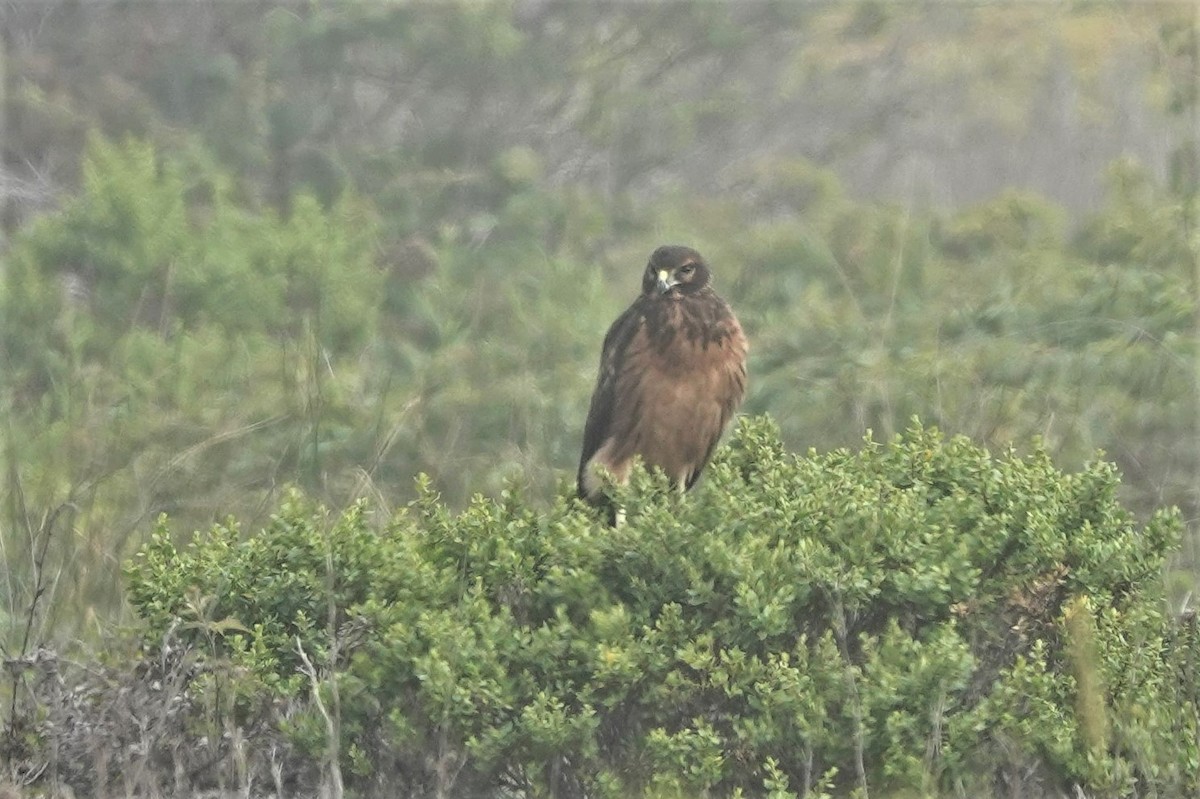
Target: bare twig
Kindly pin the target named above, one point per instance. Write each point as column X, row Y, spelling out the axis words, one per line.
column 840, row 632
column 39, row 549
column 336, row 789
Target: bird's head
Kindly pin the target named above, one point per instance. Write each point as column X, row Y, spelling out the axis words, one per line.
column 674, row 270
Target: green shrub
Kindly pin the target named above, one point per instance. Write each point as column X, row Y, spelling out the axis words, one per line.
column 917, row 617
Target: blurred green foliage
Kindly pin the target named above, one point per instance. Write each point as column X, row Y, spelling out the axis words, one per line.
column 957, row 623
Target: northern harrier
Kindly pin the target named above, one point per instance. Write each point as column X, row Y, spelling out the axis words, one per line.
column 672, row 373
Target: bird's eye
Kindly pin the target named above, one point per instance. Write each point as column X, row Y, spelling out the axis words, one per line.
column 688, row 269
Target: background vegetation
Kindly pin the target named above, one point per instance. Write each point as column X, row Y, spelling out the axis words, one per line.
column 261, row 245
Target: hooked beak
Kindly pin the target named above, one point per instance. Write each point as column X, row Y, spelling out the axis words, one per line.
column 665, row 283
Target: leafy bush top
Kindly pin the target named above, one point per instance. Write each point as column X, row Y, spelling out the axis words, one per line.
column 916, row 616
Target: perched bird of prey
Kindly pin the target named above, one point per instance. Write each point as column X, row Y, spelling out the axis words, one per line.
column 672, row 373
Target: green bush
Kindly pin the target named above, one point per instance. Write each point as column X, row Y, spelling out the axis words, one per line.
column 916, row 617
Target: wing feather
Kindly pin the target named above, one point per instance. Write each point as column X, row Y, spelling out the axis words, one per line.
column 711, row 435
column 733, row 389
column 600, row 412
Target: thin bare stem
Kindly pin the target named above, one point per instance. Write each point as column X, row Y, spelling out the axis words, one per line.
column 840, row 631
column 336, row 788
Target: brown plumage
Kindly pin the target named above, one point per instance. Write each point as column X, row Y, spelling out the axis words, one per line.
column 672, row 373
